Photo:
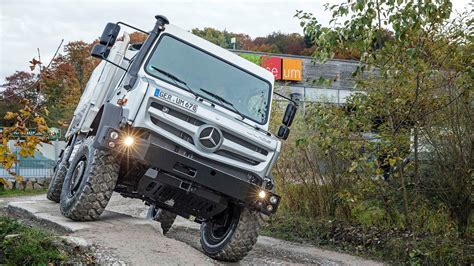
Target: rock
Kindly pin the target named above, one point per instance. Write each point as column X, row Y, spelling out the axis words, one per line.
column 37, row 186
column 7, row 184
column 20, row 185
column 41, row 181
column 29, row 185
column 11, row 236
column 76, row 242
column 33, row 180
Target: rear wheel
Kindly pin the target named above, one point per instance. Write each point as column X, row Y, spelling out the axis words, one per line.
column 230, row 236
column 89, row 183
column 57, row 180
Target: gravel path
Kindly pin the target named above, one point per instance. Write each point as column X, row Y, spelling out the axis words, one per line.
column 123, row 231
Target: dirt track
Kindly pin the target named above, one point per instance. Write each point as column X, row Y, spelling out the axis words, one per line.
column 124, row 232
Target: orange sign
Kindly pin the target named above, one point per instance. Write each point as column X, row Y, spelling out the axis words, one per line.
column 292, row 69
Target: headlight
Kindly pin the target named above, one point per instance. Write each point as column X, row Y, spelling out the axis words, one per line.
column 128, row 141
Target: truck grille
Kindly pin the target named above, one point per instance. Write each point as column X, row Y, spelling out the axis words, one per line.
column 185, row 127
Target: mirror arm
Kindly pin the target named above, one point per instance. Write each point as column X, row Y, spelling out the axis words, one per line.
column 135, row 28
column 285, row 97
column 110, row 62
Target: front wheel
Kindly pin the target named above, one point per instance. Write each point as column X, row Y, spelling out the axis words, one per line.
column 89, row 183
column 231, row 235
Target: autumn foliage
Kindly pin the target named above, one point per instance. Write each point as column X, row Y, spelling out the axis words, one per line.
column 43, row 98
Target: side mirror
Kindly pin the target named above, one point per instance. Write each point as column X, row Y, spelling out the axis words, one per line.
column 283, row 132
column 289, row 115
column 109, row 35
column 100, row 51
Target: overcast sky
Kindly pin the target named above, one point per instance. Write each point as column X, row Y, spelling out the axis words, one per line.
column 26, row 25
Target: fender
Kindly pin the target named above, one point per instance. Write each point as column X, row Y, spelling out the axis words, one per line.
column 111, row 117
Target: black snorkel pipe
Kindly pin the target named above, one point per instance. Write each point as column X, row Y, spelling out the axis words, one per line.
column 132, row 74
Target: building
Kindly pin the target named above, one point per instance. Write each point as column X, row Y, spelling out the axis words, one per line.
column 299, row 76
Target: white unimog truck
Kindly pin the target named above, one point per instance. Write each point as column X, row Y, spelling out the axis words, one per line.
column 181, row 124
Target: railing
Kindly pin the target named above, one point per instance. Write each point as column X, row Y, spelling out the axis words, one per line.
column 30, row 169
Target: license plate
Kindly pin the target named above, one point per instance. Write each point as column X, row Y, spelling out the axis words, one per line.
column 176, row 100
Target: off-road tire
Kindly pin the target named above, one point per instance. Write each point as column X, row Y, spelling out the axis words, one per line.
column 100, row 173
column 57, row 180
column 239, row 241
column 56, row 183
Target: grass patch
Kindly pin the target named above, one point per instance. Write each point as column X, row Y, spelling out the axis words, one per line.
column 388, row 244
column 16, row 192
column 23, row 245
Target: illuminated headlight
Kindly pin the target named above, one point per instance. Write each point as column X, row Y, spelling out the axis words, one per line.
column 128, row 141
column 262, row 194
column 114, row 135
column 273, row 200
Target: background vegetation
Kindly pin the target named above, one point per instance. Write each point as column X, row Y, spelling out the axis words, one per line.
column 390, row 173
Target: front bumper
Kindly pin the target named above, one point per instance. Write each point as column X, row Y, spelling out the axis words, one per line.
column 187, row 176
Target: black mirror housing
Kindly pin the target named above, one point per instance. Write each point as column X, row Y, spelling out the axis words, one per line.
column 100, row 51
column 283, row 132
column 289, row 115
column 109, row 35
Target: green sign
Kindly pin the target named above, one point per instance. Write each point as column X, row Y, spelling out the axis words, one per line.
column 53, row 134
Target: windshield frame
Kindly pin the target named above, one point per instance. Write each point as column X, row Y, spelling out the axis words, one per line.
column 196, row 90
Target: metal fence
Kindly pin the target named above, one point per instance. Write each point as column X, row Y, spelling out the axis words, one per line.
column 30, row 169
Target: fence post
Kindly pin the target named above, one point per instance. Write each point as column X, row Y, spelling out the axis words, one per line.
column 17, row 163
column 56, row 150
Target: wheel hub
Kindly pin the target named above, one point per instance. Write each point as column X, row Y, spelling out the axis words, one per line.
column 77, row 176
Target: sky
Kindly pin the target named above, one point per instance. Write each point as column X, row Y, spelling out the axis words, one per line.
column 26, row 25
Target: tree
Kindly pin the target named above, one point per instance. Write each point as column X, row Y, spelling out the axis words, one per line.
column 412, row 75
column 78, row 55
column 18, row 123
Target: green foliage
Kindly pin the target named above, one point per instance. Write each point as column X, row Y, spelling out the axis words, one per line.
column 392, row 168
column 30, row 247
column 390, row 244
column 412, row 126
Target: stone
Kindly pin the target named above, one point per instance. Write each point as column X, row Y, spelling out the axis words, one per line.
column 11, row 236
column 41, row 181
column 33, row 180
column 76, row 242
column 7, row 184
column 37, row 186
column 29, row 185
column 20, row 185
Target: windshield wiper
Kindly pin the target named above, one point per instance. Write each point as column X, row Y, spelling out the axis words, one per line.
column 224, row 101
column 176, row 80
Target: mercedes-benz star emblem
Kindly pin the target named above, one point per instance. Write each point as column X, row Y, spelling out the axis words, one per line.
column 210, row 138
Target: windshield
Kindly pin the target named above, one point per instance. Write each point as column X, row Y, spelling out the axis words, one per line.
column 200, row 71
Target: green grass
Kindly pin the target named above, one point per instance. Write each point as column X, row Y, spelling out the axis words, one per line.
column 16, row 193
column 30, row 247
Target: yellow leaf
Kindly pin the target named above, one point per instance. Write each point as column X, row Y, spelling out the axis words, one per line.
column 392, row 161
column 9, row 115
